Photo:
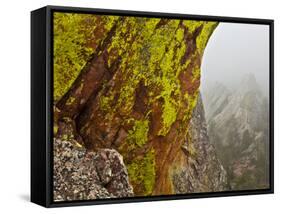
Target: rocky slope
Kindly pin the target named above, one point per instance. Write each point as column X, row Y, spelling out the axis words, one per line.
column 202, row 171
column 84, row 175
column 215, row 99
column 238, row 127
column 81, row 174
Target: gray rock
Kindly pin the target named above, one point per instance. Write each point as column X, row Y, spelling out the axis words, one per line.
column 83, row 175
column 203, row 171
column 238, row 127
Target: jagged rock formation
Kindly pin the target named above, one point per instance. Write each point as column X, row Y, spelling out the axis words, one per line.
column 136, row 94
column 215, row 99
column 82, row 175
column 202, row 171
column 238, row 127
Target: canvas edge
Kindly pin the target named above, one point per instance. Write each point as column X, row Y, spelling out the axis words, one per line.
column 38, row 151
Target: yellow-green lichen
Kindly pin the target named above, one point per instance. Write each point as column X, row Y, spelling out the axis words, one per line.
column 169, row 116
column 70, row 100
column 171, row 67
column 73, row 34
column 126, row 97
column 180, row 34
column 64, row 137
column 55, row 129
column 155, row 57
column 196, row 73
column 105, row 102
column 142, row 172
column 148, row 54
column 109, row 21
column 202, row 40
column 191, row 101
column 192, row 25
column 137, row 136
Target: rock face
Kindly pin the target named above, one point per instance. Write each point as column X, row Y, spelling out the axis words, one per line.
column 238, row 127
column 203, row 171
column 82, row 175
column 215, row 99
column 136, row 94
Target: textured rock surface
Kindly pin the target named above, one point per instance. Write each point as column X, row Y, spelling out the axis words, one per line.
column 203, row 171
column 238, row 127
column 82, row 175
column 136, row 93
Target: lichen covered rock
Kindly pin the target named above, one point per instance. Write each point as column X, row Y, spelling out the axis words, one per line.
column 84, row 175
column 202, row 171
column 136, row 94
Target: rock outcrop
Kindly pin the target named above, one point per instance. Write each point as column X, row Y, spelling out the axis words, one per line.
column 203, row 171
column 136, row 94
column 238, row 127
column 82, row 175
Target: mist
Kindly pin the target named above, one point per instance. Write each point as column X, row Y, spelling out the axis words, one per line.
column 233, row 51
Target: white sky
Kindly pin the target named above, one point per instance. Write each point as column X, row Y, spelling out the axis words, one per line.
column 235, row 50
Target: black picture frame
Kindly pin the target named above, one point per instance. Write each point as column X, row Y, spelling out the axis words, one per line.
column 42, row 99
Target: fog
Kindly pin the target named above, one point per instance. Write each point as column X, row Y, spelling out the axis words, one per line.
column 235, row 50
